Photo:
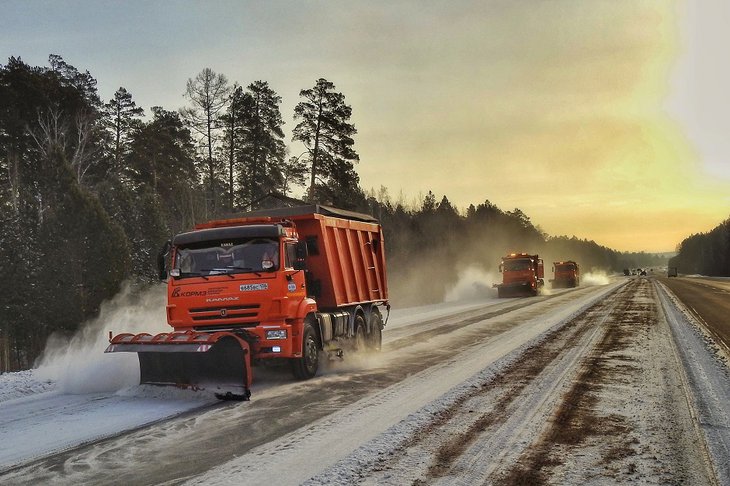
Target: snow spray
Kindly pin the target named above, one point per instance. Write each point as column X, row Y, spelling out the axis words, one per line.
column 473, row 283
column 79, row 364
column 596, row 277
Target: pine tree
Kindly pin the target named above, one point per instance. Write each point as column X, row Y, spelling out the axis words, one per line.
column 162, row 160
column 295, row 174
column 140, row 213
column 231, row 120
column 266, row 140
column 325, row 131
column 121, row 117
column 84, row 254
column 253, row 143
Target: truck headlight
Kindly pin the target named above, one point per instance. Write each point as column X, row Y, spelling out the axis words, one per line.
column 276, row 334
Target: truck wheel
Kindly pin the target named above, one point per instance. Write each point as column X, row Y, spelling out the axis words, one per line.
column 306, row 367
column 361, row 342
column 375, row 338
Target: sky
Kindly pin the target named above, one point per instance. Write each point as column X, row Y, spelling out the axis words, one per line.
column 603, row 119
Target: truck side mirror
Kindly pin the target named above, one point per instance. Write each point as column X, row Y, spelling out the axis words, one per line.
column 301, row 252
column 162, row 258
column 300, row 249
column 501, row 267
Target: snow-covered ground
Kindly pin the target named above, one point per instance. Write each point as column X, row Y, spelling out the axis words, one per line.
column 75, row 397
column 50, row 409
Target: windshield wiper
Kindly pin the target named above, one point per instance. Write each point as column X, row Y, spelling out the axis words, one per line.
column 227, row 270
column 218, row 271
column 192, row 274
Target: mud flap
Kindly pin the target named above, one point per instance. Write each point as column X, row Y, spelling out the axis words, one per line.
column 222, row 367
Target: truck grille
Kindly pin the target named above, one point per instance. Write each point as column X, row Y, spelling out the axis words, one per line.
column 225, row 313
column 230, row 327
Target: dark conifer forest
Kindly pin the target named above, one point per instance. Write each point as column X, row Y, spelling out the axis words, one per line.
column 705, row 253
column 90, row 190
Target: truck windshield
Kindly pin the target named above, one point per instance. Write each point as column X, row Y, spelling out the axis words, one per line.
column 564, row 268
column 516, row 265
column 252, row 255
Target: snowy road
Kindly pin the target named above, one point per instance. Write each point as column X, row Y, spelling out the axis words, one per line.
column 585, row 385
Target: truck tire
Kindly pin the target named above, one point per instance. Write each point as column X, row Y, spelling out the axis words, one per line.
column 360, row 339
column 306, row 367
column 375, row 338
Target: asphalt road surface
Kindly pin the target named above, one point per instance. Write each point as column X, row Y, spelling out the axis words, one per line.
column 709, row 300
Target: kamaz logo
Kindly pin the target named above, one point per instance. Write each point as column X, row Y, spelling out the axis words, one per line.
column 176, row 292
column 221, row 299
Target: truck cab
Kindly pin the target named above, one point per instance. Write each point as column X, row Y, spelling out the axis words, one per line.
column 242, row 278
column 522, row 274
column 566, row 274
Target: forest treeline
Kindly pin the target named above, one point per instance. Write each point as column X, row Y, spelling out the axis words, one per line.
column 705, row 253
column 91, row 189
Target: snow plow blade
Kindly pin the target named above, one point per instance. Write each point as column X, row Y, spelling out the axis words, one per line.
column 219, row 362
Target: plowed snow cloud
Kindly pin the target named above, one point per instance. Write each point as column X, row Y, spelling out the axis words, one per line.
column 473, row 283
column 79, row 364
column 596, row 277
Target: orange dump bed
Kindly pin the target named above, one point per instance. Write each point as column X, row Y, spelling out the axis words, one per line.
column 346, row 260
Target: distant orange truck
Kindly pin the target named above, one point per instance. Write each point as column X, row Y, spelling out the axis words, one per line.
column 566, row 274
column 522, row 274
column 289, row 284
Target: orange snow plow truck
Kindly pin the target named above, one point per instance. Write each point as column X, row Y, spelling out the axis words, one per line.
column 295, row 284
column 567, row 274
column 522, row 274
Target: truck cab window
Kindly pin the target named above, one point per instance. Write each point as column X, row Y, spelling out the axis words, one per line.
column 290, row 255
column 515, row 265
column 239, row 256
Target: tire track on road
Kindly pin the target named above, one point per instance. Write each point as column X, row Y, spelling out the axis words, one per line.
column 623, row 419
column 494, row 407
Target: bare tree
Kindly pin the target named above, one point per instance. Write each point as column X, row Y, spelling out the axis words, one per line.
column 209, row 93
column 52, row 132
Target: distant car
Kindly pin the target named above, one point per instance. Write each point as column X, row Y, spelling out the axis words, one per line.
column 642, row 273
column 672, row 272
column 627, row 272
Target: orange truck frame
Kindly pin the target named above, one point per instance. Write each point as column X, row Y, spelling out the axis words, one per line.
column 522, row 274
column 566, row 274
column 291, row 284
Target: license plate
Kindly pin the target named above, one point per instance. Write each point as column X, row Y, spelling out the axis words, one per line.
column 253, row 287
